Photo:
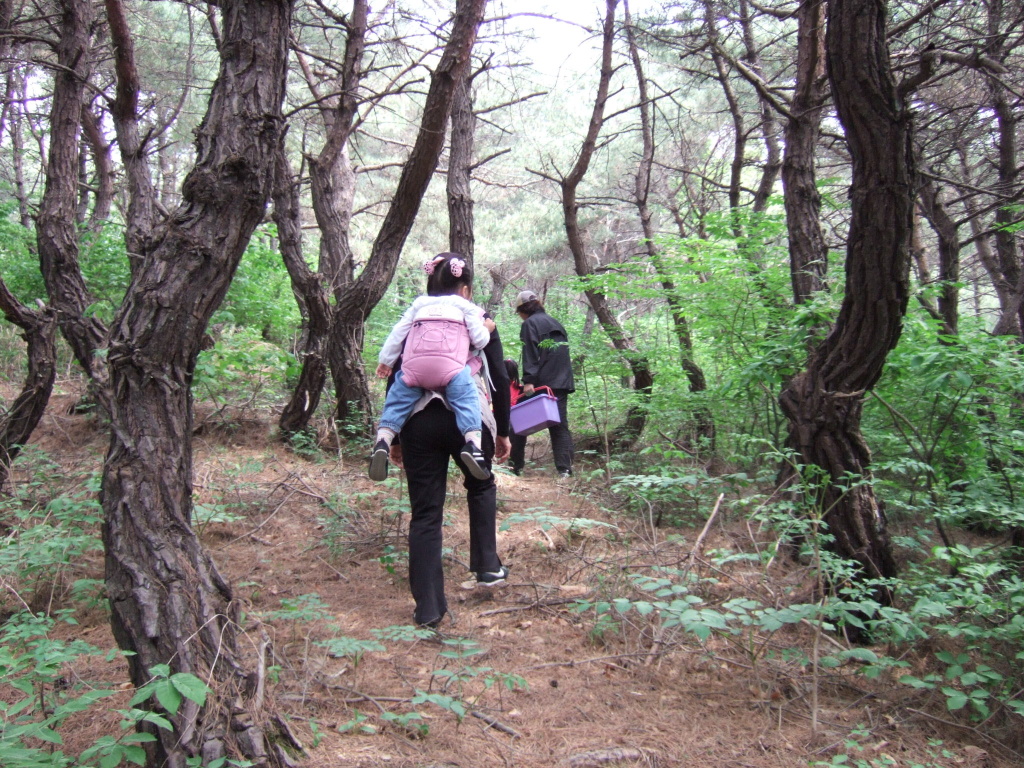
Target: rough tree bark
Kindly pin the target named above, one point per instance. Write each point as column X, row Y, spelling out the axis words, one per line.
column 643, row 378
column 169, row 604
column 824, row 402
column 808, row 253
column 358, row 298
column 140, row 216
column 461, row 237
column 56, row 229
column 312, row 291
column 20, row 420
column 948, row 246
column 99, row 147
column 332, row 191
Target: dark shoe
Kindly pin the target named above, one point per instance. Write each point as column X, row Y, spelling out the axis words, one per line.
column 517, row 471
column 475, row 462
column 487, row 579
column 379, row 461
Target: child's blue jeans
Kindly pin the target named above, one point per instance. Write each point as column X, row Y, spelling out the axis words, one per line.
column 461, row 394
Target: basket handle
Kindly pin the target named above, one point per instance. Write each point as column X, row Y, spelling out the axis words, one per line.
column 538, row 389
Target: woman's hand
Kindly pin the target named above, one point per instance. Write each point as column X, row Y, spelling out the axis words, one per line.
column 528, row 389
column 383, row 371
column 502, row 448
column 396, row 455
column 489, row 325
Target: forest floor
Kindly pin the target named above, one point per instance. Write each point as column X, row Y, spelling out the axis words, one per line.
column 315, row 552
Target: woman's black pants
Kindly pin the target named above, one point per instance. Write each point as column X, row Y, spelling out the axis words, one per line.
column 429, row 439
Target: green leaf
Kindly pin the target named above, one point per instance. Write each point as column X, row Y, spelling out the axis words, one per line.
column 954, row 699
column 915, row 682
column 190, row 686
column 861, row 654
column 168, row 696
column 46, row 734
column 135, row 755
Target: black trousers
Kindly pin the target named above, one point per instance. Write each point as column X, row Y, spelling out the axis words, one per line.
column 429, row 439
column 561, row 439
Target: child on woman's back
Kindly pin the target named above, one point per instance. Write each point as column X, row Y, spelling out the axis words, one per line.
column 433, row 338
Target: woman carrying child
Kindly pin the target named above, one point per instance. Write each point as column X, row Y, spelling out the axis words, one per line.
column 440, row 329
column 432, row 436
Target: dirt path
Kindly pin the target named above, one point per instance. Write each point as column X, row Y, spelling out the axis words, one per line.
column 316, row 553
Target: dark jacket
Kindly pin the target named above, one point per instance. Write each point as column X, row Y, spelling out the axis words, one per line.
column 543, row 364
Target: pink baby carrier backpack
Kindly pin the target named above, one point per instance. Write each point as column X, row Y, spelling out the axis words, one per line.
column 437, row 347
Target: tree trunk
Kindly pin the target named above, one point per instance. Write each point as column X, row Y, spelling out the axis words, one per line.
column 945, row 229
column 1005, row 238
column 104, row 167
column 703, row 420
column 332, row 190
column 739, row 130
column 643, row 378
column 769, row 122
column 314, row 298
column 140, row 216
column 460, row 171
column 56, row 229
column 169, row 605
column 824, row 402
column 18, row 155
column 20, row 420
column 358, row 298
column 808, row 252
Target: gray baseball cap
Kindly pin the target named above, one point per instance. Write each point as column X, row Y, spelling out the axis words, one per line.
column 524, row 297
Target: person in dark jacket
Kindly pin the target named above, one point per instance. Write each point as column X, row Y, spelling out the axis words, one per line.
column 546, row 363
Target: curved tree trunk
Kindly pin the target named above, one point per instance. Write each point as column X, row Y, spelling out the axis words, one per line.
column 357, row 299
column 169, row 605
column 56, row 228
column 100, row 149
column 20, row 420
column 313, row 296
column 808, row 252
column 739, row 131
column 946, row 233
column 332, row 190
column 140, row 215
column 824, row 402
column 643, row 378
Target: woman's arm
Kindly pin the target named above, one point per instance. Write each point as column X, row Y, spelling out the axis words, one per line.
column 479, row 335
column 392, row 346
column 500, row 395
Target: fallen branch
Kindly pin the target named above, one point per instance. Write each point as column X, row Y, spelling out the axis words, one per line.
column 699, row 544
column 531, row 606
column 496, row 724
column 598, row 757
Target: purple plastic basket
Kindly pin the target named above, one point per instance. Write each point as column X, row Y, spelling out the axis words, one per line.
column 537, row 413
